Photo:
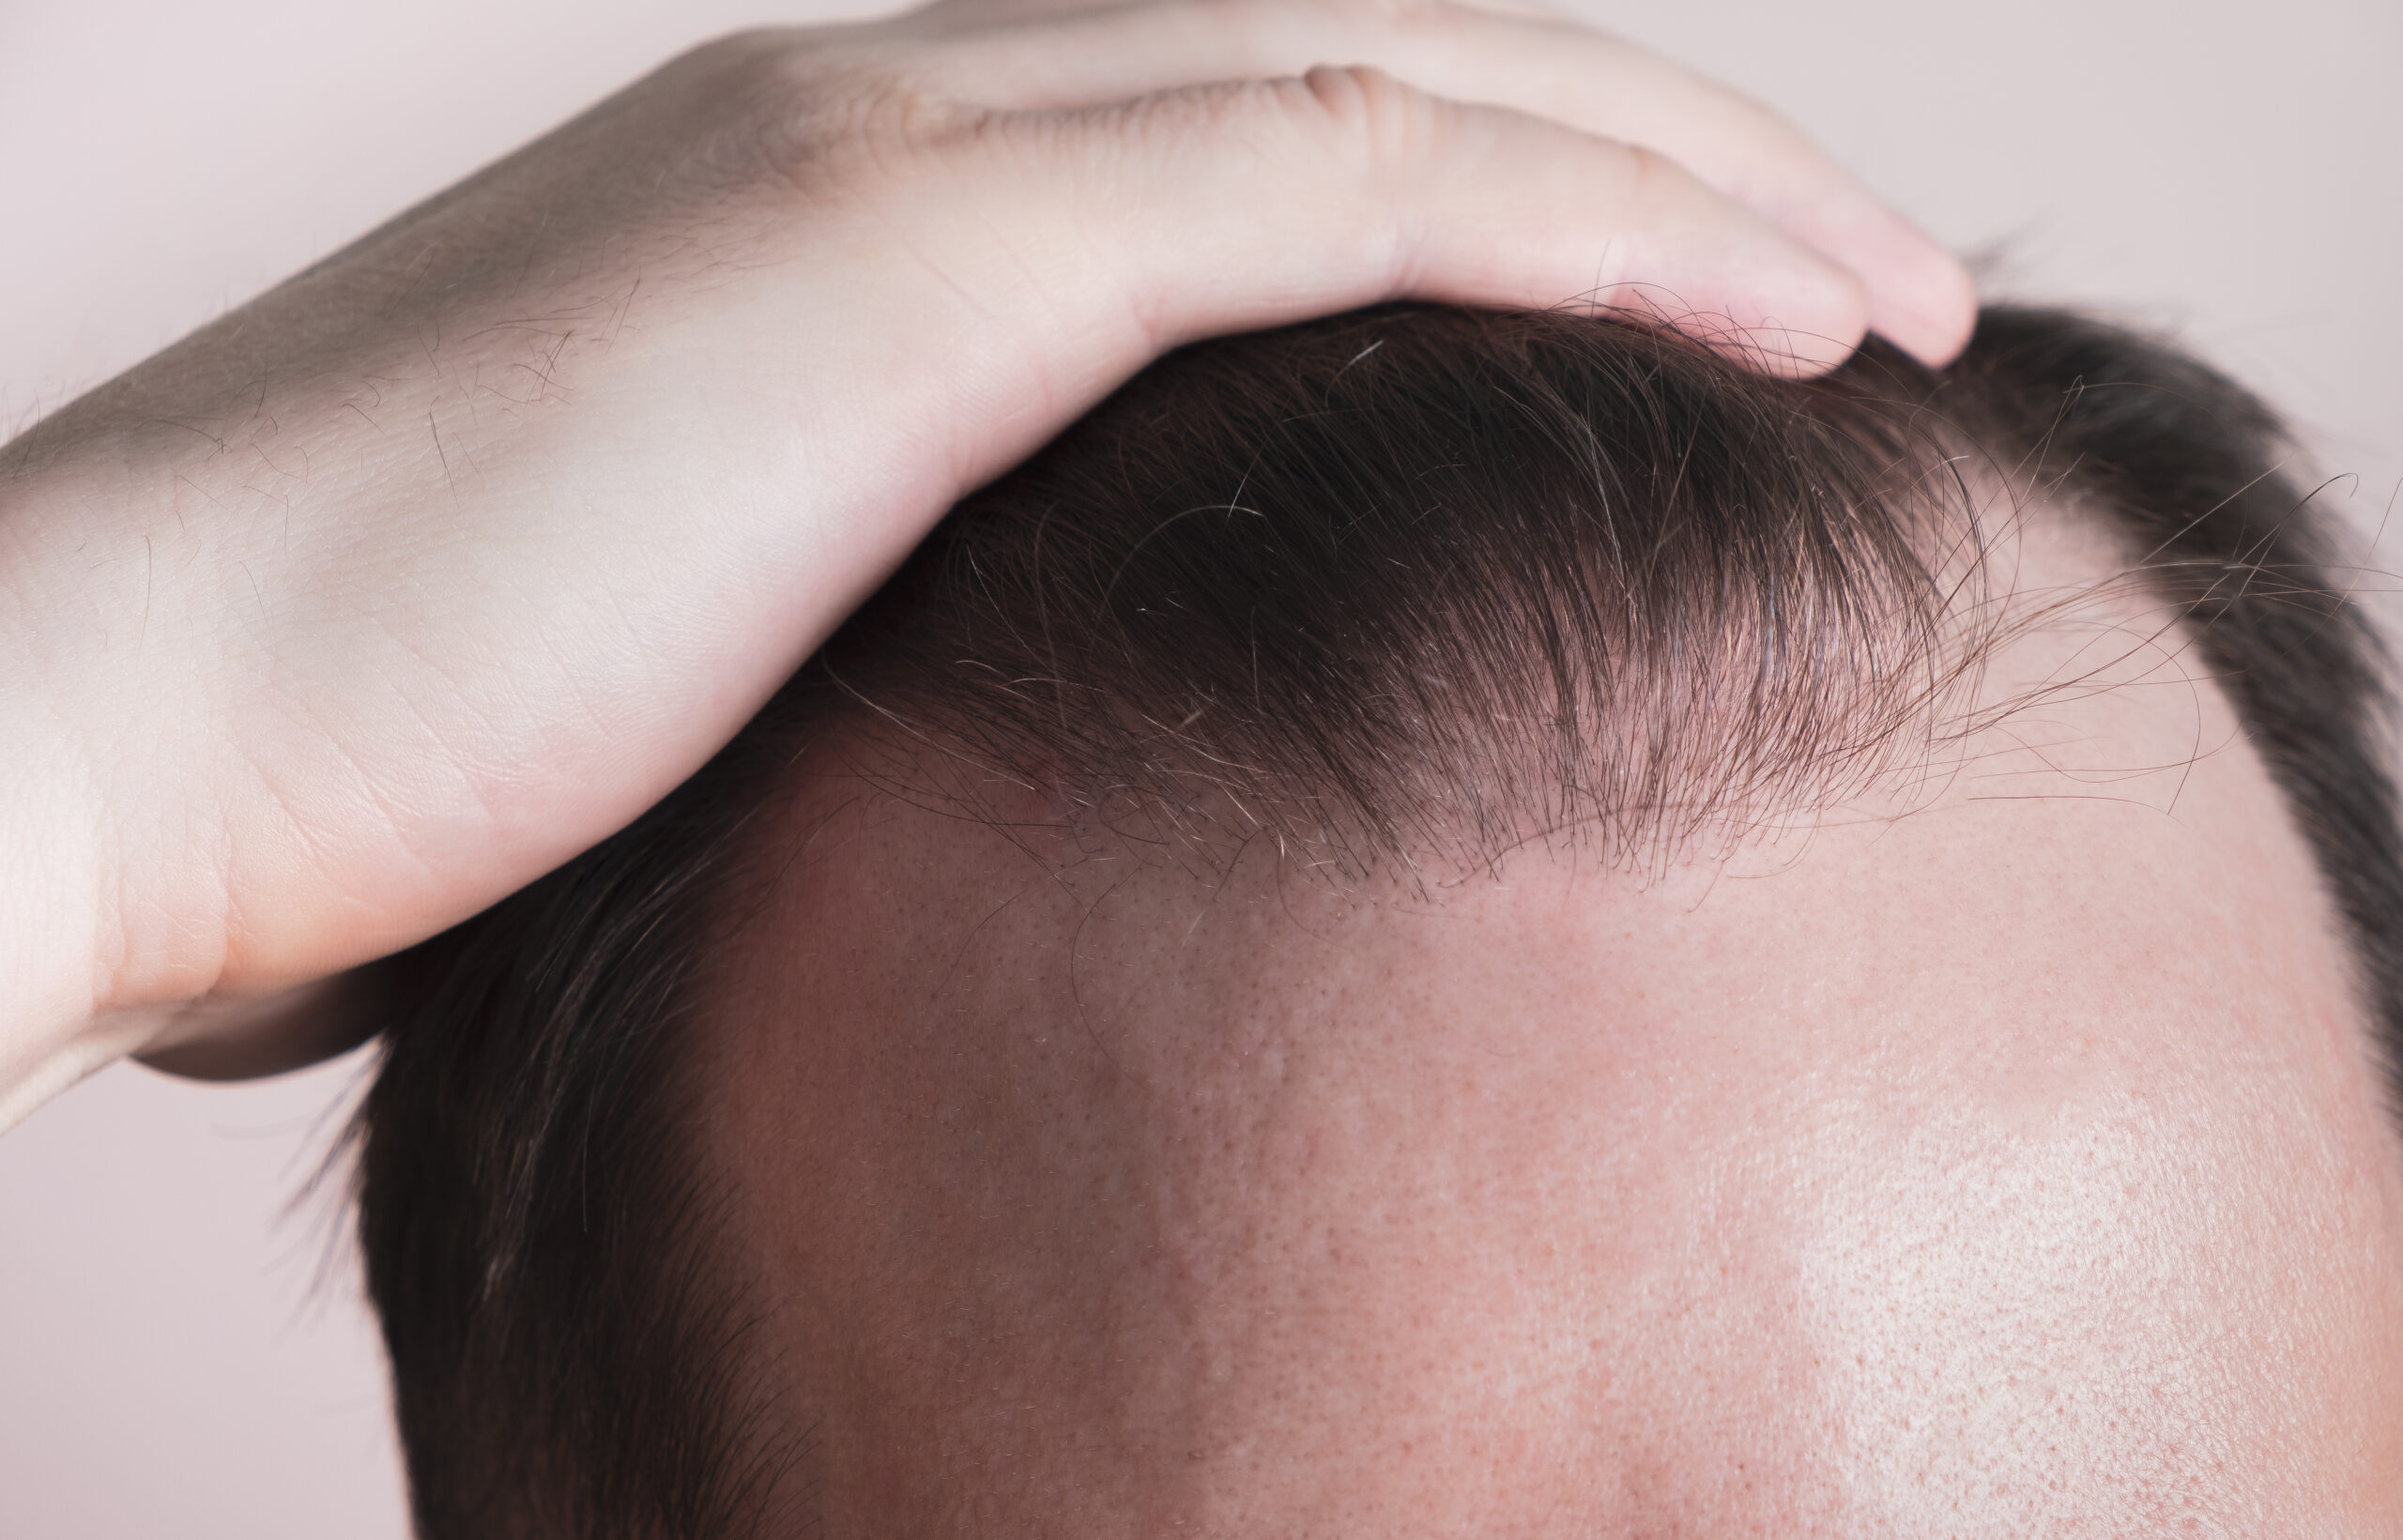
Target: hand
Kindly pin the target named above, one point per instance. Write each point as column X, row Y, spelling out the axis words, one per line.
column 400, row 585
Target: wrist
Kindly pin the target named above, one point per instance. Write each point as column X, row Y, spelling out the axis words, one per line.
column 78, row 693
column 52, row 1033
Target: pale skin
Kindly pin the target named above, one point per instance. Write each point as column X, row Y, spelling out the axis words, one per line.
column 406, row 582
column 1998, row 1156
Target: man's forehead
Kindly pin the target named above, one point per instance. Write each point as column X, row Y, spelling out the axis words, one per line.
column 2113, row 854
column 1981, row 1148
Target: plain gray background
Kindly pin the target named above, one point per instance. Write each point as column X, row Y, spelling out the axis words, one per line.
column 182, row 1348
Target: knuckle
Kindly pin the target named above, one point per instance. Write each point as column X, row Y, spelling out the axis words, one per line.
column 797, row 112
column 1654, row 181
column 744, row 45
column 1370, row 114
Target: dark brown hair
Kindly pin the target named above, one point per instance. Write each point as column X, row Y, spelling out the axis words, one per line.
column 1411, row 582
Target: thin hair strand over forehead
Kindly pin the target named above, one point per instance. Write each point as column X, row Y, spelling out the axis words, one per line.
column 1424, row 580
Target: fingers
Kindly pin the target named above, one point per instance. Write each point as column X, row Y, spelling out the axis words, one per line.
column 1059, row 55
column 1226, row 208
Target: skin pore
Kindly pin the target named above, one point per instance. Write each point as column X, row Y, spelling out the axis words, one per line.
column 2003, row 1157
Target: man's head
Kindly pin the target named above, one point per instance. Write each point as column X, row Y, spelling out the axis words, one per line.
column 1441, row 924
